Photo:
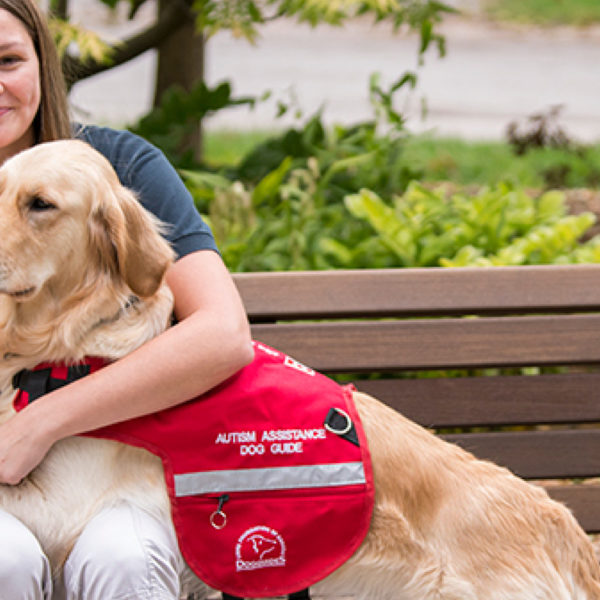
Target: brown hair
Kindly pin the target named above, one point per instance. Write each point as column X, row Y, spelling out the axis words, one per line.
column 52, row 119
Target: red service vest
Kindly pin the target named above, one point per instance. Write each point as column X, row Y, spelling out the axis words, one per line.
column 268, row 474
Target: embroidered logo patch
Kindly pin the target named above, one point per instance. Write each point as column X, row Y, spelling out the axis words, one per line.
column 259, row 548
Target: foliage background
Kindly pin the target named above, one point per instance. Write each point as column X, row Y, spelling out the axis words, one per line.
column 355, row 197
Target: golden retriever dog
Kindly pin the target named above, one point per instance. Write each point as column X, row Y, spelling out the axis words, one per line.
column 75, row 246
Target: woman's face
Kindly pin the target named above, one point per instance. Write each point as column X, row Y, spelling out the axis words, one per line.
column 19, row 86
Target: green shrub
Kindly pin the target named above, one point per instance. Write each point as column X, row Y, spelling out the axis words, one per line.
column 500, row 226
column 287, row 221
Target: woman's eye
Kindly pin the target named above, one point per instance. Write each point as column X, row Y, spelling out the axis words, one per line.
column 8, row 61
column 38, row 204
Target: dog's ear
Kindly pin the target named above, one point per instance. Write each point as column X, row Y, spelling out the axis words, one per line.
column 127, row 241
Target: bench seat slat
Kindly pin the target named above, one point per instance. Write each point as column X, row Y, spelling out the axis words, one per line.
column 429, row 291
column 496, row 400
column 437, row 343
column 537, row 454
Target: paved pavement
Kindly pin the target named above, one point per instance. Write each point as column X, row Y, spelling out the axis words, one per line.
column 490, row 76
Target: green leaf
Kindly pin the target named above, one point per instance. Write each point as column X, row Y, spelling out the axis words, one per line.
column 89, row 45
column 268, row 186
column 339, row 251
column 367, row 205
column 204, row 179
column 467, row 256
column 426, row 35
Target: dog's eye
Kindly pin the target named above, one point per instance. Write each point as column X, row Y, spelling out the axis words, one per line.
column 38, row 204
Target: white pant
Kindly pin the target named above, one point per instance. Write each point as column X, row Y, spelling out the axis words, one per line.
column 124, row 553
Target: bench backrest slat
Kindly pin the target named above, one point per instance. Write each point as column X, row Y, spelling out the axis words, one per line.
column 583, row 500
column 492, row 401
column 438, row 343
column 431, row 291
column 537, row 454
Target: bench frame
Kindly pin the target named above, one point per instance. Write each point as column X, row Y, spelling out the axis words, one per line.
column 499, row 324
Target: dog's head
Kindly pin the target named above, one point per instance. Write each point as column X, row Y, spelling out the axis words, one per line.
column 66, row 219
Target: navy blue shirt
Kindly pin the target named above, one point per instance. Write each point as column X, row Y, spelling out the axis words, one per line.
column 144, row 169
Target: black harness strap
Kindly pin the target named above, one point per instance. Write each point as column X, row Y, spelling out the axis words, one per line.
column 37, row 383
column 301, row 595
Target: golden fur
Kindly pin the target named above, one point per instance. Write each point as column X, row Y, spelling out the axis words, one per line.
column 75, row 245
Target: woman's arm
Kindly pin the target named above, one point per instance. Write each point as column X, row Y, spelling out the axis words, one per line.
column 210, row 342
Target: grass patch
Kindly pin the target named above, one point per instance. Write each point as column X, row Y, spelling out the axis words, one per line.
column 488, row 163
column 545, row 12
column 227, row 147
column 465, row 162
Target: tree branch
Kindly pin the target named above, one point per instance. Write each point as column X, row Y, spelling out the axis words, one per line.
column 177, row 14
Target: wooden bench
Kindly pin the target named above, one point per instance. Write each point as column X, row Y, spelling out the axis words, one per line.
column 474, row 319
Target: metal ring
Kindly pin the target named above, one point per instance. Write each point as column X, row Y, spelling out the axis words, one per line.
column 213, row 519
column 346, row 429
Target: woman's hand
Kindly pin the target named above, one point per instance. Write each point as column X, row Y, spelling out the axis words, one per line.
column 23, row 445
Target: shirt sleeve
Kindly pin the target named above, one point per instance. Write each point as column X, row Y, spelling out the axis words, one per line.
column 144, row 169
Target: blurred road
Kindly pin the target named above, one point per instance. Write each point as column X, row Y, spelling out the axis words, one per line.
column 489, row 77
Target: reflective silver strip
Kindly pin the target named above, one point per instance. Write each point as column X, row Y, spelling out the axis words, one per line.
column 276, row 478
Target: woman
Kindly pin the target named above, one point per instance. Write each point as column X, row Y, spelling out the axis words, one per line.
column 122, row 553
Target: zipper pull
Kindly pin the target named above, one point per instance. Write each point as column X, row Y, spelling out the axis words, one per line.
column 218, row 519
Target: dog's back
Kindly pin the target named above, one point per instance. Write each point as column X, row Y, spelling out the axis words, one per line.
column 449, row 526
